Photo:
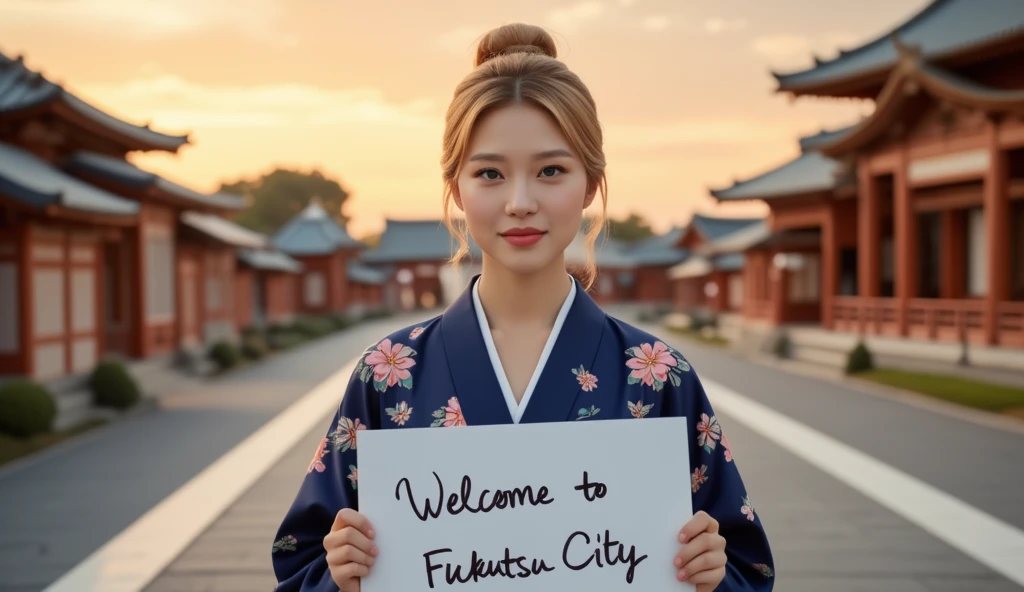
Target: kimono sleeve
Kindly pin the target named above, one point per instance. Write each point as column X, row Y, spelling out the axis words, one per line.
column 329, row 485
column 717, row 488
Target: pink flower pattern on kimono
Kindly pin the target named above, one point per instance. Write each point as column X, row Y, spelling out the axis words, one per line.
column 654, row 365
column 400, row 413
column 588, row 381
column 449, row 416
column 344, row 435
column 728, row 450
column 416, row 333
column 353, row 476
column 387, row 365
column 698, row 478
column 747, row 509
column 285, row 543
column 708, row 432
column 317, row 464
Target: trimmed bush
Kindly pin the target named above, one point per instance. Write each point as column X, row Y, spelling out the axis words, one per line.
column 279, row 340
column 225, row 355
column 26, row 409
column 254, row 346
column 112, row 386
column 340, row 321
column 313, row 326
column 859, row 359
column 782, row 347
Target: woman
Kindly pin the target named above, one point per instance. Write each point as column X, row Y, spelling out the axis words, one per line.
column 522, row 159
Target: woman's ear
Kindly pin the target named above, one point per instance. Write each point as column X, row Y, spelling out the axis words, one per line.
column 456, row 197
column 589, row 197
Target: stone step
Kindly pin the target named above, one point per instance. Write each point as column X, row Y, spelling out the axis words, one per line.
column 818, row 355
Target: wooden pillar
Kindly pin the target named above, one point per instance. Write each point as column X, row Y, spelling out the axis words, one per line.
column 868, row 240
column 997, row 218
column 953, row 245
column 906, row 242
column 26, row 298
column 777, row 277
column 829, row 266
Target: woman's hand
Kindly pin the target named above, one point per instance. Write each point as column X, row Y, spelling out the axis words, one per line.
column 350, row 549
column 702, row 559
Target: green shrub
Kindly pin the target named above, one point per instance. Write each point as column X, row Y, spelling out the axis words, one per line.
column 26, row 409
column 859, row 359
column 279, row 340
column 313, row 327
column 225, row 355
column 254, row 346
column 783, row 347
column 340, row 321
column 112, row 386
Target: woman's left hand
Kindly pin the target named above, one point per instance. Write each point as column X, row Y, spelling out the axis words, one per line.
column 702, row 558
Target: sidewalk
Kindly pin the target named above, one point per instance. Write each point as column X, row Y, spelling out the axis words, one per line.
column 65, row 503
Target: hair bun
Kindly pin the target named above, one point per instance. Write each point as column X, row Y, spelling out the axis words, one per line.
column 515, row 38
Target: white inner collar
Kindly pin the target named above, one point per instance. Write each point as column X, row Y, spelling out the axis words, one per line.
column 514, row 409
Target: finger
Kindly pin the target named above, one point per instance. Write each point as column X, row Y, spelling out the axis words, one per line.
column 696, row 525
column 349, row 536
column 707, row 581
column 349, row 554
column 349, row 571
column 704, row 562
column 699, row 545
column 349, row 517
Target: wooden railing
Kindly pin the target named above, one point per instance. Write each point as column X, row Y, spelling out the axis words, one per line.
column 946, row 320
column 1010, row 323
column 932, row 319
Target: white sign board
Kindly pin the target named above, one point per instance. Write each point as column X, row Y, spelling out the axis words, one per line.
column 590, row 506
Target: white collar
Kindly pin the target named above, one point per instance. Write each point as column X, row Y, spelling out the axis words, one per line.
column 517, row 410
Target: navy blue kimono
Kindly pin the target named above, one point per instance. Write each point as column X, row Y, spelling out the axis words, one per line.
column 445, row 372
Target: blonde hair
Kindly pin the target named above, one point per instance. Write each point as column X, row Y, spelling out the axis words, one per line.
column 516, row 64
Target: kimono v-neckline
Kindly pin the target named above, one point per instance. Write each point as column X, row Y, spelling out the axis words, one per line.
column 516, row 409
column 476, row 384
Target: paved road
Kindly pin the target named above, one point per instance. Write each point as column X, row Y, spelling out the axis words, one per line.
column 58, row 510
column 825, row 536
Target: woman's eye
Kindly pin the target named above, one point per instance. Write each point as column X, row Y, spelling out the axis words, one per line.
column 486, row 174
column 551, row 171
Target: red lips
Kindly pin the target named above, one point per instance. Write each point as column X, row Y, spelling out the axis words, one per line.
column 523, row 237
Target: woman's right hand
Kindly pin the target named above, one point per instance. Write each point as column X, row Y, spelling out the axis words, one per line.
column 350, row 549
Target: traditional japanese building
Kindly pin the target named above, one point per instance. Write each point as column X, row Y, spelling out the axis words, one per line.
column 325, row 251
column 416, row 254
column 266, row 288
column 96, row 255
column 917, row 210
column 706, row 279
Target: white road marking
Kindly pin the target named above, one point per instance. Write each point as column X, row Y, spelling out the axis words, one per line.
column 132, row 559
column 979, row 535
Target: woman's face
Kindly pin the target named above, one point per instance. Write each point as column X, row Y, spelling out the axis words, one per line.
column 522, row 189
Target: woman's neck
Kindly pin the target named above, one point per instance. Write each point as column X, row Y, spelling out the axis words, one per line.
column 510, row 299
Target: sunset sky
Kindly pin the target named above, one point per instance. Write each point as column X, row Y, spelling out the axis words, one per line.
column 359, row 89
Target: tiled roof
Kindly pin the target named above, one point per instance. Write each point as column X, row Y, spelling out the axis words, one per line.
column 807, row 173
column 269, row 260
column 814, row 141
column 942, row 28
column 35, row 182
column 659, row 249
column 126, row 174
column 740, row 240
column 362, row 274
column 313, row 232
column 714, row 228
column 22, row 88
column 224, row 230
column 415, row 240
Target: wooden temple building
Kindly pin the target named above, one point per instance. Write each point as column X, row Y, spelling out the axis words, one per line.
column 910, row 222
column 98, row 256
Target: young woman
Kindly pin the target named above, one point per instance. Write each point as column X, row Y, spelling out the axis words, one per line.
column 522, row 159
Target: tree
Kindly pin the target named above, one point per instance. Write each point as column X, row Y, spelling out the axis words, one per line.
column 278, row 196
column 630, row 229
